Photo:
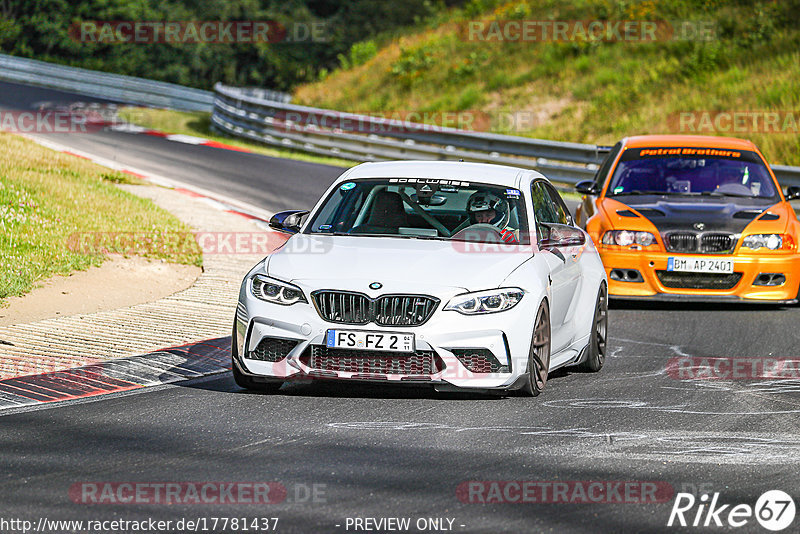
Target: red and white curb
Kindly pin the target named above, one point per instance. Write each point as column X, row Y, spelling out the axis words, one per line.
column 134, row 372
column 216, row 200
column 166, row 366
column 179, row 138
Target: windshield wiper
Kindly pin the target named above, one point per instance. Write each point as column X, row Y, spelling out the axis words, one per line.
column 720, row 194
column 401, row 236
column 416, row 236
column 639, row 192
column 681, row 193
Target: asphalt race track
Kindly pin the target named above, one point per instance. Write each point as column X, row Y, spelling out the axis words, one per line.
column 375, row 452
column 271, row 183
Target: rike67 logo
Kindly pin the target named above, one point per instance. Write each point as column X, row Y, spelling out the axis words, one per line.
column 774, row 510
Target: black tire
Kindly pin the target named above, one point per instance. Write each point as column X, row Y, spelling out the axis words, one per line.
column 539, row 354
column 244, row 381
column 596, row 351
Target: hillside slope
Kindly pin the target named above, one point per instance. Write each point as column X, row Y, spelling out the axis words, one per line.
column 594, row 91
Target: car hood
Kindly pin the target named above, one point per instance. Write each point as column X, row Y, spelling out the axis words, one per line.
column 346, row 262
column 725, row 214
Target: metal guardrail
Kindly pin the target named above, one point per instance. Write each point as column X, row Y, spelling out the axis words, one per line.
column 365, row 138
column 267, row 116
column 242, row 113
column 786, row 175
column 115, row 87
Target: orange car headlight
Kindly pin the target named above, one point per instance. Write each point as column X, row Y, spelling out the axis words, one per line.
column 625, row 238
column 769, row 241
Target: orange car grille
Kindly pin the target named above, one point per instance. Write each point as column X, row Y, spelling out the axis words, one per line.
column 679, row 280
column 709, row 243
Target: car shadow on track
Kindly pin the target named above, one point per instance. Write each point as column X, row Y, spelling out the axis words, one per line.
column 364, row 390
column 654, row 305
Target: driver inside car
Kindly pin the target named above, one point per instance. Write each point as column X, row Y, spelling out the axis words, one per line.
column 488, row 208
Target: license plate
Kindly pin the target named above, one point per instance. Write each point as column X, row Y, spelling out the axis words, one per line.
column 361, row 340
column 700, row 265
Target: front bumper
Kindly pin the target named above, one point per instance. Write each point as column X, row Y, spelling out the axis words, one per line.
column 506, row 335
column 749, row 265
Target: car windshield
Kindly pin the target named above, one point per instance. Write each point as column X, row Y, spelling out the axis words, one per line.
column 692, row 171
column 423, row 209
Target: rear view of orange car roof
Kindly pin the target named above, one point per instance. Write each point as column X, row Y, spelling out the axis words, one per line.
column 708, row 141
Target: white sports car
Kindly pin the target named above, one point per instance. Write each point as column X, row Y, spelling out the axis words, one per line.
column 460, row 275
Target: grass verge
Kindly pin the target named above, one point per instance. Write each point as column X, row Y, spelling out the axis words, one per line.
column 48, row 198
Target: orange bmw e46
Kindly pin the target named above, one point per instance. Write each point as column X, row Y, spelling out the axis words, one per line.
column 692, row 218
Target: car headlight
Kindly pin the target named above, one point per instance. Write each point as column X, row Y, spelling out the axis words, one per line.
column 757, row 241
column 277, row 292
column 625, row 238
column 491, row 301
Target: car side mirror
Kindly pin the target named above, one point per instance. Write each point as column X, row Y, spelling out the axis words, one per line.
column 586, row 187
column 288, row 222
column 560, row 235
column 792, row 192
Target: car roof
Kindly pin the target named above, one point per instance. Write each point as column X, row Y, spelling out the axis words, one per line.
column 487, row 173
column 709, row 141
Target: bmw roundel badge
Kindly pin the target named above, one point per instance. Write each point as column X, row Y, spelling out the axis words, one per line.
column 375, row 285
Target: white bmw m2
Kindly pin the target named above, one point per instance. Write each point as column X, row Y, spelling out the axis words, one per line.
column 460, row 275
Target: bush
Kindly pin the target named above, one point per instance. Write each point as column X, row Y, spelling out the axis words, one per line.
column 359, row 54
column 411, row 64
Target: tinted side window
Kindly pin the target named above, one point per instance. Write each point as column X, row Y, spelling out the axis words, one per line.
column 562, row 212
column 602, row 172
column 543, row 208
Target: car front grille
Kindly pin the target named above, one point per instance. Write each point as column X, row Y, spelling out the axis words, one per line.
column 679, row 280
column 322, row 358
column 708, row 243
column 342, row 307
column 681, row 242
column 717, row 243
column 478, row 360
column 389, row 310
column 272, row 349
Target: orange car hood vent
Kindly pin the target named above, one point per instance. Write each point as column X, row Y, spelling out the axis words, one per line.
column 645, row 212
column 651, row 212
column 747, row 214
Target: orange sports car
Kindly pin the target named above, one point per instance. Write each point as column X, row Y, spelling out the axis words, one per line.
column 692, row 218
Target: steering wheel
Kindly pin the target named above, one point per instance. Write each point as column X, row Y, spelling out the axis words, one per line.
column 735, row 189
column 478, row 227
